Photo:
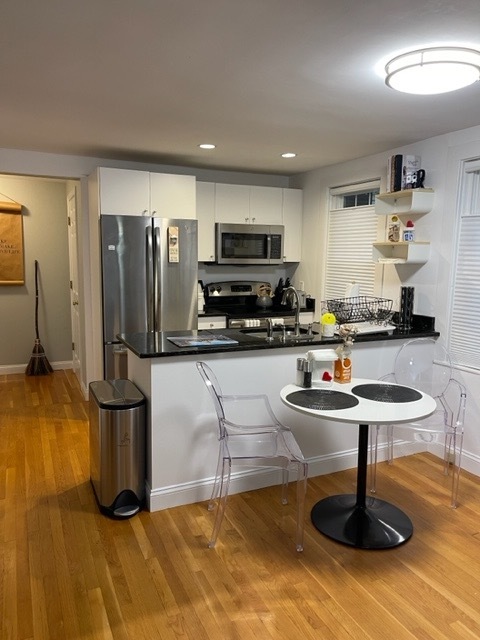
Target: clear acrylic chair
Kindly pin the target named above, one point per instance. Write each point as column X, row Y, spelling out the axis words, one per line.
column 425, row 364
column 250, row 435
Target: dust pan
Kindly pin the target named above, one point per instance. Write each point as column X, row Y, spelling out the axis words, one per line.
column 39, row 364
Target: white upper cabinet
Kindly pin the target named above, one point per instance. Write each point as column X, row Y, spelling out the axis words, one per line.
column 141, row 193
column 265, row 205
column 206, row 221
column 123, row 191
column 292, row 216
column 243, row 204
column 172, row 196
column 232, row 203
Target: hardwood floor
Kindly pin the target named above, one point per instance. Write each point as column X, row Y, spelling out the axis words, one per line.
column 69, row 572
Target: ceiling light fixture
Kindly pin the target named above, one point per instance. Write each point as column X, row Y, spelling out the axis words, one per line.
column 206, row 146
column 289, row 155
column 433, row 70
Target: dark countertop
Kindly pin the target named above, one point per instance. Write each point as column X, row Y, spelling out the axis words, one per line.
column 157, row 345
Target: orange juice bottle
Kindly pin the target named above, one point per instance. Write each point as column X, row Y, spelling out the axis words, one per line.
column 343, row 370
column 343, row 365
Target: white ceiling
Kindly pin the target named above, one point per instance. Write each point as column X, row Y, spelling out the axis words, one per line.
column 149, row 80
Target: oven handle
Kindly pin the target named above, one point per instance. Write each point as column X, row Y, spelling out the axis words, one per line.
column 233, row 323
column 242, row 323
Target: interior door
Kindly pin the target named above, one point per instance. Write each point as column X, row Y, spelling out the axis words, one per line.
column 74, row 299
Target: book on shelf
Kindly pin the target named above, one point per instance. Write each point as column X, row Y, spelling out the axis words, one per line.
column 401, row 170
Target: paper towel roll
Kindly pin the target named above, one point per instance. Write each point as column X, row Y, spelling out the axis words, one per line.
column 352, row 290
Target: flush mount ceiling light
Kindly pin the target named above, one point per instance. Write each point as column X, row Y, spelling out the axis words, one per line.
column 433, row 70
column 289, row 155
column 206, row 146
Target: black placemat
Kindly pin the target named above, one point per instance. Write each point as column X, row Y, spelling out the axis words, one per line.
column 322, row 399
column 386, row 393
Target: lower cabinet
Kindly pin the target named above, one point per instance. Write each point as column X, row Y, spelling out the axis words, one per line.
column 212, row 322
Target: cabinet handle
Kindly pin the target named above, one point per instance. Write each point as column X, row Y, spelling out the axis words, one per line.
column 144, row 212
column 154, row 212
column 253, row 220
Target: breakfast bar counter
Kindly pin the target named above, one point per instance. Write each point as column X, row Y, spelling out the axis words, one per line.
column 160, row 344
column 181, row 425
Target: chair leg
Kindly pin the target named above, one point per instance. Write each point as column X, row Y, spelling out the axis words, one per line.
column 284, row 486
column 216, row 482
column 457, row 448
column 301, row 493
column 222, row 500
column 390, row 444
column 373, row 458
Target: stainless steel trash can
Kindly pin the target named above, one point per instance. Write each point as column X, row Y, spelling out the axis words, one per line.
column 117, row 447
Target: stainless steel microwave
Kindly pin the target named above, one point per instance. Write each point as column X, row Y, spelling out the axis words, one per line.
column 248, row 243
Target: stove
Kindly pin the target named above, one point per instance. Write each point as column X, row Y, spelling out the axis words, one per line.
column 237, row 300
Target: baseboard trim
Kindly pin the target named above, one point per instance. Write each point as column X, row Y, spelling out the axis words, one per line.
column 6, row 369
column 251, row 479
column 245, row 480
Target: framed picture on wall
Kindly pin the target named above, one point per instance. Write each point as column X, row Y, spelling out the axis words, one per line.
column 11, row 244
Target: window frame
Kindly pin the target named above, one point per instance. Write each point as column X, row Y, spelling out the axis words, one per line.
column 342, row 237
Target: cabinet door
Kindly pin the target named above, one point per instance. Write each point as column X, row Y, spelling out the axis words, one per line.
column 206, row 221
column 266, row 205
column 212, row 322
column 123, row 192
column 232, row 203
column 292, row 220
column 172, row 196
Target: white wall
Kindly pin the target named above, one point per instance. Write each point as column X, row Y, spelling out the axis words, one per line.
column 441, row 158
column 45, row 239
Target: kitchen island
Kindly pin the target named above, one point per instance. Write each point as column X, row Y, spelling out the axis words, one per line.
column 181, row 425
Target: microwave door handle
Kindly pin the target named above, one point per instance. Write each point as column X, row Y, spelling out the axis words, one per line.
column 269, row 246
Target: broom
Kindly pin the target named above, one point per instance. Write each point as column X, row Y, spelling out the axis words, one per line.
column 39, row 364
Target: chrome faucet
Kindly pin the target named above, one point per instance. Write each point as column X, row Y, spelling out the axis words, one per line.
column 287, row 294
column 269, row 329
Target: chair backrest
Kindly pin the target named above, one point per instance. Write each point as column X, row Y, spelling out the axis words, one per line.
column 214, row 389
column 425, row 364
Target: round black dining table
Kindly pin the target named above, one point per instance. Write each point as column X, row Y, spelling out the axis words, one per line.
column 357, row 519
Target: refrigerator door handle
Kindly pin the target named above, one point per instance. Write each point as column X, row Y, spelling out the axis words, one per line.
column 156, row 277
column 150, row 279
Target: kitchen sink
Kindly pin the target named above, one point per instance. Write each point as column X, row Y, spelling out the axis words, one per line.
column 278, row 333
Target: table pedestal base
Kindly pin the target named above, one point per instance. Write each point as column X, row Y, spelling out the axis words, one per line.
column 378, row 525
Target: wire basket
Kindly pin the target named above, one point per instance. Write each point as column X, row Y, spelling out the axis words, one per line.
column 360, row 309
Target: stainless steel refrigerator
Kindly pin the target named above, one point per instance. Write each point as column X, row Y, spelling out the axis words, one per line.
column 149, row 280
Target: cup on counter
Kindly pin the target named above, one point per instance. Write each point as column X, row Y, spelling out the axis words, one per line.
column 328, row 330
column 328, row 322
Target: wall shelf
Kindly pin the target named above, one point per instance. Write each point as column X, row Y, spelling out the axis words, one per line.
column 401, row 252
column 409, row 202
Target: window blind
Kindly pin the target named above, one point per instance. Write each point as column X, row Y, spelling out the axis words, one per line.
column 465, row 310
column 351, row 233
